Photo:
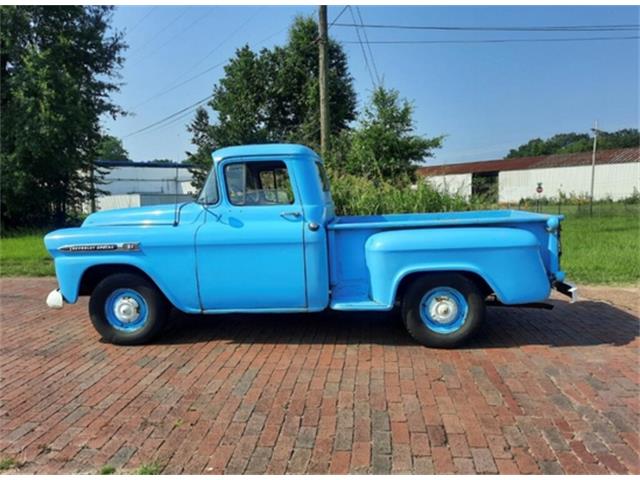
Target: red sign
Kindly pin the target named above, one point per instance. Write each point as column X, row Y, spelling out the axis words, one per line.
column 539, row 189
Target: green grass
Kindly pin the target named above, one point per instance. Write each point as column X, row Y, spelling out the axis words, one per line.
column 602, row 249
column 107, row 470
column 149, row 469
column 23, row 254
column 7, row 463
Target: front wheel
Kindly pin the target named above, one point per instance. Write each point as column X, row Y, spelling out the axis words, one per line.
column 442, row 310
column 127, row 309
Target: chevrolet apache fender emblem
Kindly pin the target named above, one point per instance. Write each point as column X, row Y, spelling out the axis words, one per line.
column 102, row 247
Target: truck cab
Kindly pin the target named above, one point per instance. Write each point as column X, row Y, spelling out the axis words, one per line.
column 263, row 236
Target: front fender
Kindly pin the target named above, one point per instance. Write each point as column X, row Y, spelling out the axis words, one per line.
column 166, row 255
column 508, row 259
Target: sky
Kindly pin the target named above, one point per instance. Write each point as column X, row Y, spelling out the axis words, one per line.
column 485, row 98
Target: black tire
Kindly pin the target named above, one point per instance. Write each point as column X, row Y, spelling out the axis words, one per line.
column 418, row 328
column 154, row 303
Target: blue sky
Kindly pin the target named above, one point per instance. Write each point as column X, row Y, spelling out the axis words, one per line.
column 487, row 98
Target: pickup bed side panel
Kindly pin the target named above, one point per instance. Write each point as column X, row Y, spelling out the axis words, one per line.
column 508, row 259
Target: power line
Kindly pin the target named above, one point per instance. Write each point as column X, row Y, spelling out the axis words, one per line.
column 144, row 17
column 198, row 19
column 344, row 9
column 186, row 111
column 364, row 53
column 174, row 85
column 163, row 29
column 169, row 117
column 178, row 85
column 559, row 28
column 184, row 115
column 227, row 38
column 366, row 40
column 497, row 40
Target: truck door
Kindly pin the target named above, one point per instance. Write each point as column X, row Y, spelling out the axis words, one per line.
column 249, row 250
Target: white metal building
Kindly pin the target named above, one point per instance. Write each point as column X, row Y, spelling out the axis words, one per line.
column 617, row 176
column 135, row 184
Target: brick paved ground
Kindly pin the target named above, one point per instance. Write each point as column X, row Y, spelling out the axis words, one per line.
column 537, row 392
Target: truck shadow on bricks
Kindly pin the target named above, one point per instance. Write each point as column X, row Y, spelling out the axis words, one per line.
column 586, row 323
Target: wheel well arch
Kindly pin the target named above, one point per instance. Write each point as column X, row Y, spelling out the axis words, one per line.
column 413, row 276
column 96, row 273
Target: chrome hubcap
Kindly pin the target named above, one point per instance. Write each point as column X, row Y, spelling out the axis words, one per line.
column 443, row 309
column 127, row 310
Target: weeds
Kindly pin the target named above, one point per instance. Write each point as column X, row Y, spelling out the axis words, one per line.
column 152, row 468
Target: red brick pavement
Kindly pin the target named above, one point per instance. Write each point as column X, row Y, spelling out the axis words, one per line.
column 536, row 392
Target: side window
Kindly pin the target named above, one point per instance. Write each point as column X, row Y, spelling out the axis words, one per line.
column 258, row 183
column 324, row 179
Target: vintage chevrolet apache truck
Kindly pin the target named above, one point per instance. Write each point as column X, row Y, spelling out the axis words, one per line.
column 263, row 237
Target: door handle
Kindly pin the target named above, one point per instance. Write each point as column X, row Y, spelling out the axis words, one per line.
column 291, row 214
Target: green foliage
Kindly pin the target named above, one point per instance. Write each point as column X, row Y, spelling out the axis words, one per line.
column 384, row 145
column 577, row 142
column 149, row 469
column 56, row 69
column 201, row 160
column 111, row 148
column 355, row 195
column 107, row 470
column 272, row 96
column 7, row 463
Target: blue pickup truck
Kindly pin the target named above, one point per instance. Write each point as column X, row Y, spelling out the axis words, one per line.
column 263, row 237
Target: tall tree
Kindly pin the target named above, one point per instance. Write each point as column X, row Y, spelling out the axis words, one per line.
column 294, row 94
column 385, row 145
column 111, row 148
column 57, row 70
column 272, row 96
column 201, row 160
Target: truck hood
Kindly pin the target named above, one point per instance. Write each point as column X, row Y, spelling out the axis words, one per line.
column 151, row 215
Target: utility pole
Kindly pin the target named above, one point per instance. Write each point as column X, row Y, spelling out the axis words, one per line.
column 593, row 164
column 322, row 77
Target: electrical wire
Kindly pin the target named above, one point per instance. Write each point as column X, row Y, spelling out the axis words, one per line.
column 183, row 116
column 366, row 41
column 169, row 117
column 560, row 28
column 139, row 22
column 197, row 20
column 364, row 53
column 174, row 85
column 162, row 30
column 344, row 9
column 497, row 40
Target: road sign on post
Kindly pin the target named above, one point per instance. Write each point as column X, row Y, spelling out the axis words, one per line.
column 539, row 189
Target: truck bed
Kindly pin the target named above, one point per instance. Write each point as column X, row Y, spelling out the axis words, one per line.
column 349, row 273
column 409, row 220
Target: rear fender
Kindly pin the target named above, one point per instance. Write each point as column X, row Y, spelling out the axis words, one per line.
column 507, row 259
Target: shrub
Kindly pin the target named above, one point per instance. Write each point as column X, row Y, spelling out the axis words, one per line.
column 360, row 196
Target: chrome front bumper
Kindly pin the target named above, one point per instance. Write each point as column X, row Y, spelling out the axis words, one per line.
column 568, row 289
column 54, row 299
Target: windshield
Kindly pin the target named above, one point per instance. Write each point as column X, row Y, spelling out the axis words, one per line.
column 209, row 192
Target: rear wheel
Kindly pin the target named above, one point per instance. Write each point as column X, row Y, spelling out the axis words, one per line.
column 127, row 309
column 442, row 310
